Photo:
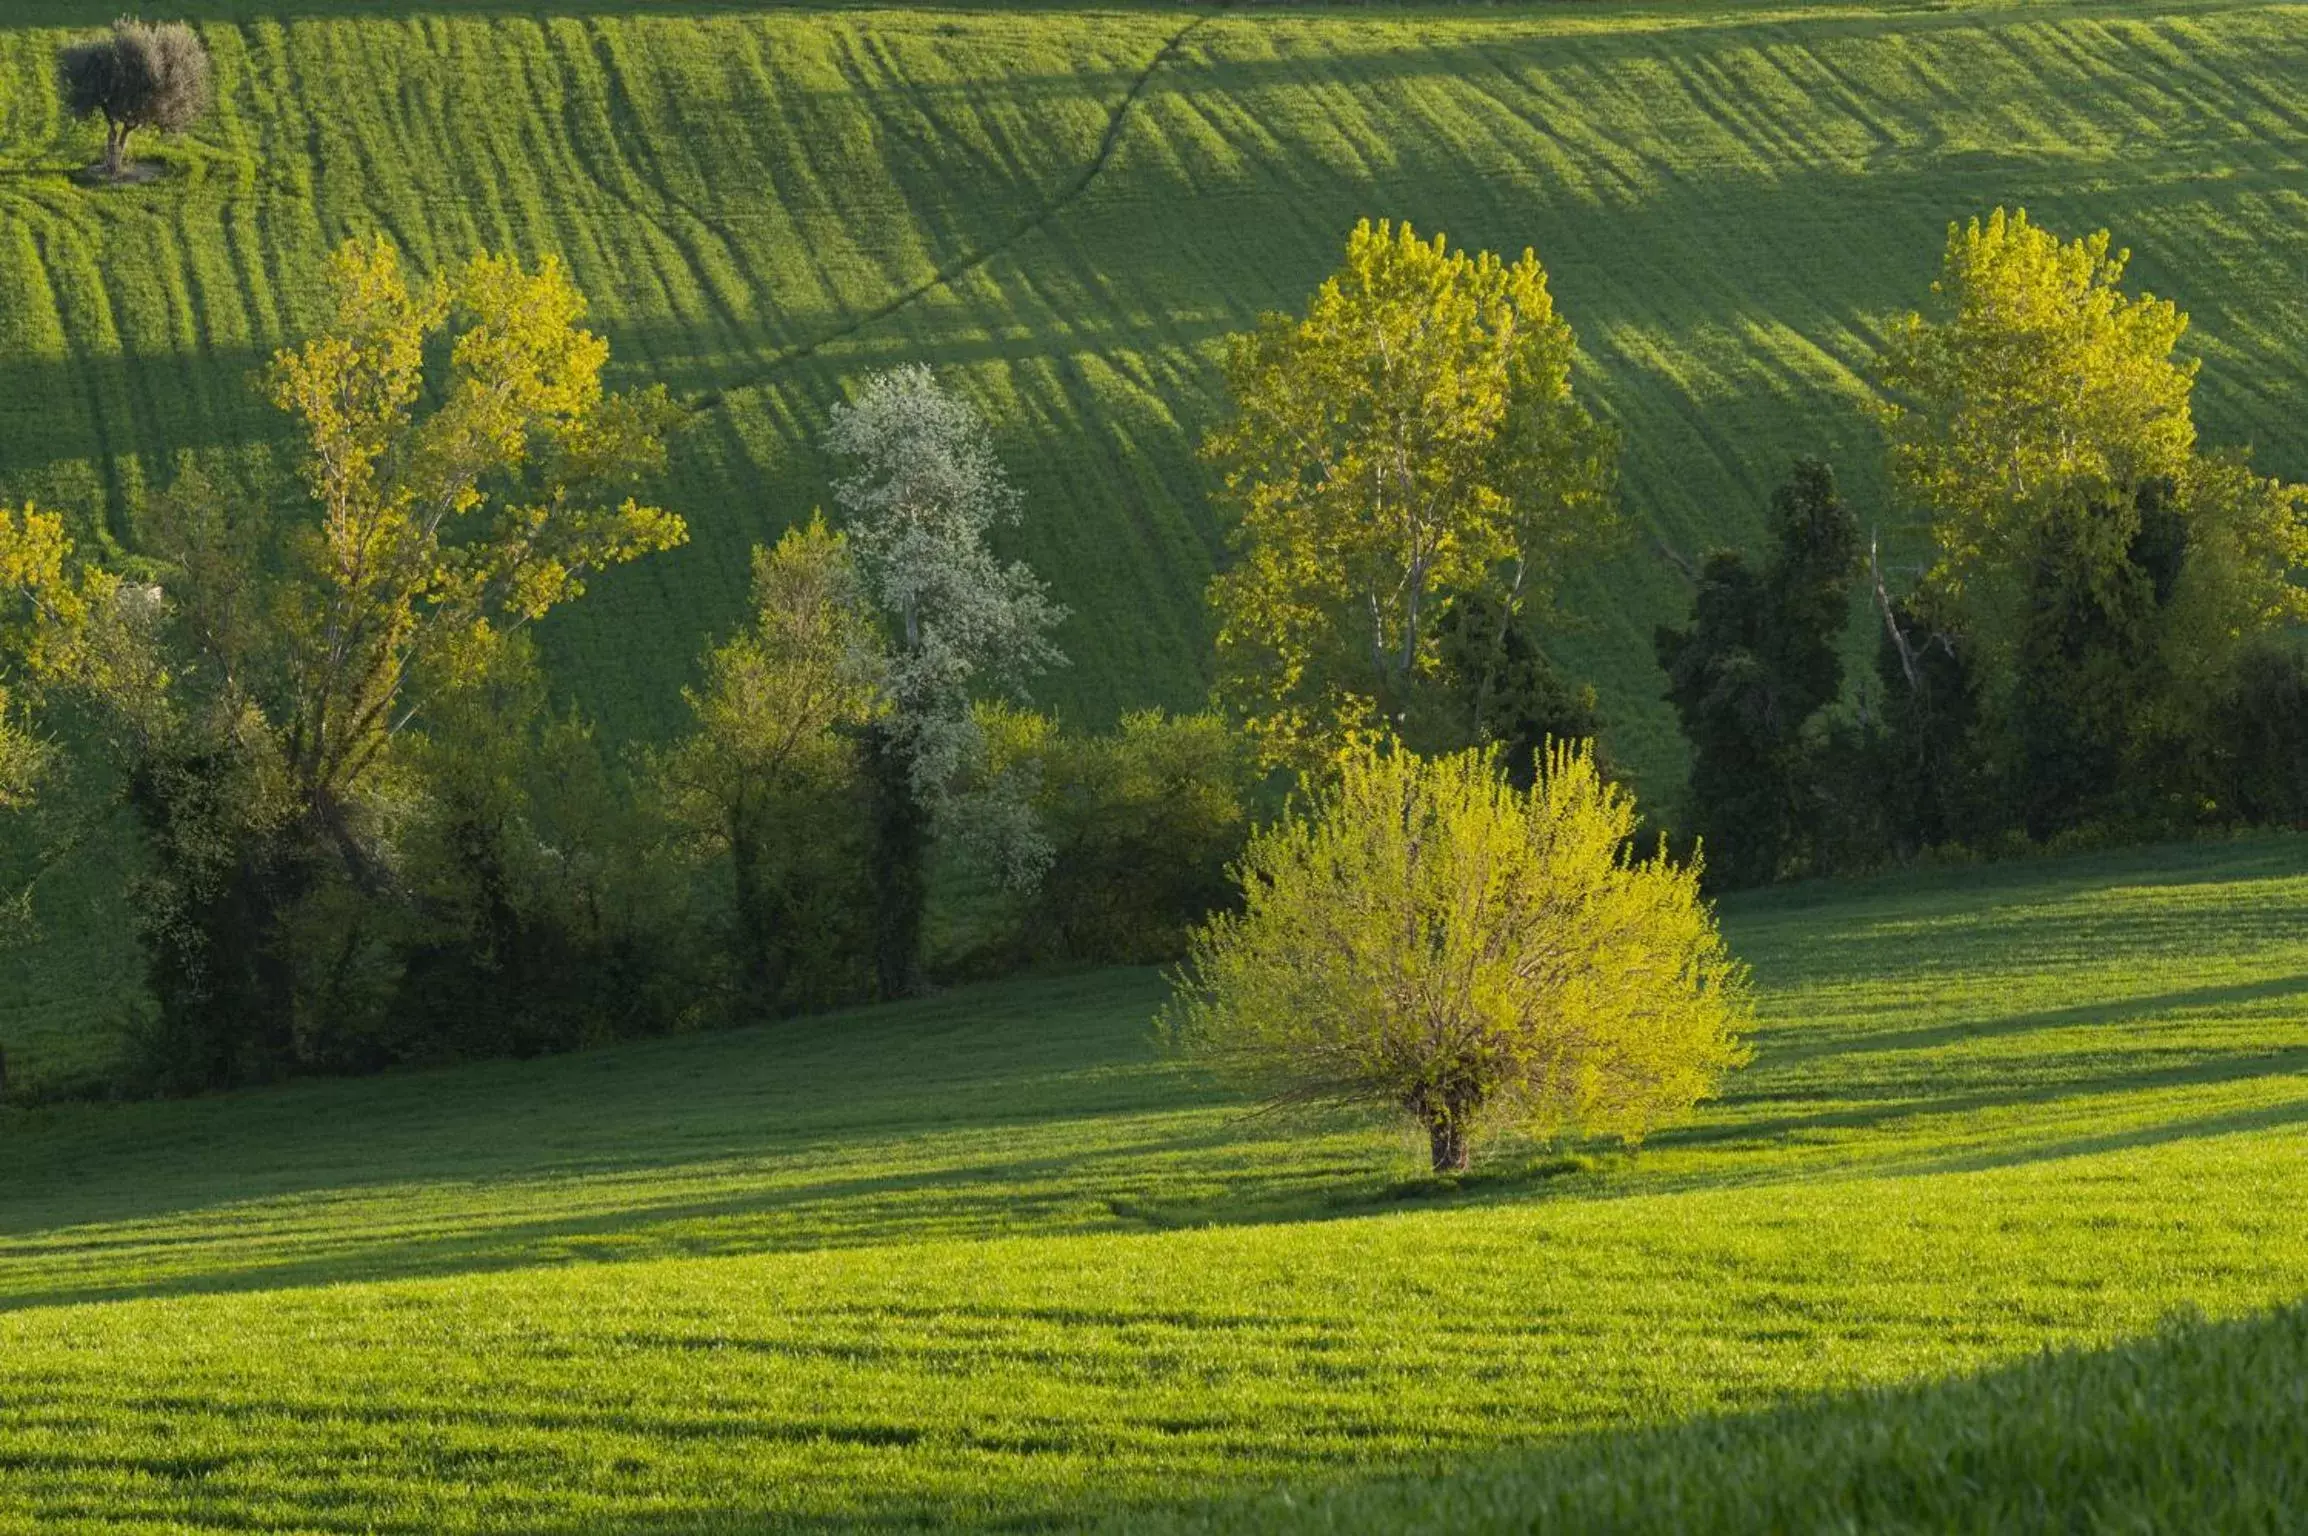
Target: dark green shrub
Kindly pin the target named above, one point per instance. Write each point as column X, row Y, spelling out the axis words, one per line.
column 1142, row 823
column 1750, row 674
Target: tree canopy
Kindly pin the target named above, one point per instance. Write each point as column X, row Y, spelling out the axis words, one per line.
column 469, row 473
column 1412, row 437
column 2036, row 381
column 1425, row 937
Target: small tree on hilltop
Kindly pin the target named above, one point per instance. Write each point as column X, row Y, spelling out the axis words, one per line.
column 138, row 75
column 1430, row 938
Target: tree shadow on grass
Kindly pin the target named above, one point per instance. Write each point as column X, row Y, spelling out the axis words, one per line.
column 1055, row 1069
column 2197, row 1427
column 1794, row 1046
column 968, row 1201
column 2203, row 1071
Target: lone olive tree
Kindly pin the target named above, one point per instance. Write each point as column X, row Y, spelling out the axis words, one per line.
column 1428, row 937
column 138, row 75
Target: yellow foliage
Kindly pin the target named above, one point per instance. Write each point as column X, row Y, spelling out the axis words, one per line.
column 2040, row 383
column 1412, row 436
column 1425, row 936
column 523, row 431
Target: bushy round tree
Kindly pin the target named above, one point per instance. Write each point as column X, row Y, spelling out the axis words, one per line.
column 138, row 75
column 1427, row 937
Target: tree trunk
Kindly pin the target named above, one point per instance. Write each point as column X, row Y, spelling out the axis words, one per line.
column 115, row 151
column 1447, row 1138
column 900, row 858
column 756, row 940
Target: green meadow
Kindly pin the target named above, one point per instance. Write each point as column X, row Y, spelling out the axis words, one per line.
column 989, row 1261
column 2001, row 1228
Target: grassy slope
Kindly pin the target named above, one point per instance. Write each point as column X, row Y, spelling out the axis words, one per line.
column 1729, row 197
column 2199, row 1428
column 984, row 1258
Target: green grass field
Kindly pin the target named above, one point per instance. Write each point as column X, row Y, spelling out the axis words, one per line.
column 1065, row 210
column 985, row 1261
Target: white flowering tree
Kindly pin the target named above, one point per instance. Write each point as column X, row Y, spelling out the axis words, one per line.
column 923, row 495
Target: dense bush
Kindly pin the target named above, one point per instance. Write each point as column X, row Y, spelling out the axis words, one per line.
column 1750, row 676
column 2262, row 737
column 773, row 786
column 1143, row 822
column 539, row 908
column 1425, row 937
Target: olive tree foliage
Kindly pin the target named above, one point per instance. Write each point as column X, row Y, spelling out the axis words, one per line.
column 468, row 473
column 767, row 778
column 1426, row 937
column 1411, row 439
column 922, row 497
column 139, row 75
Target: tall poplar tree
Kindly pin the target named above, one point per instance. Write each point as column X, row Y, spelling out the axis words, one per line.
column 1410, row 439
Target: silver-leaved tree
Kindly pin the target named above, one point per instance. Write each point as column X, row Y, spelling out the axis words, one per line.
column 923, row 496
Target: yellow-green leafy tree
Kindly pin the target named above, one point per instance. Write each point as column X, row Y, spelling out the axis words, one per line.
column 768, row 780
column 2096, row 575
column 2036, row 383
column 1425, row 937
column 1412, row 438
column 468, row 472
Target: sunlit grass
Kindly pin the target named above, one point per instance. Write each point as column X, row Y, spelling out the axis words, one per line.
column 988, row 1258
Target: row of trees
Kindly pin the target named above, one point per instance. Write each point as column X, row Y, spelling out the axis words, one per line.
column 366, row 834
column 370, row 838
column 2100, row 643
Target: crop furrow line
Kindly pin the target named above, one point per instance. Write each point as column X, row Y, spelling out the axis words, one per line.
column 962, row 266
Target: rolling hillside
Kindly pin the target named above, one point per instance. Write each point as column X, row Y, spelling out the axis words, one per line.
column 985, row 1261
column 1065, row 210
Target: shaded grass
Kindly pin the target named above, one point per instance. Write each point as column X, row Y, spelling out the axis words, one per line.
column 987, row 1259
column 2202, row 1428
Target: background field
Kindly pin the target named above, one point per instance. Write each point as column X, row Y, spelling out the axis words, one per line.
column 1729, row 198
column 1066, row 210
column 986, row 1259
